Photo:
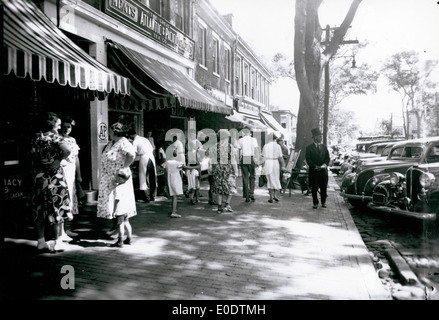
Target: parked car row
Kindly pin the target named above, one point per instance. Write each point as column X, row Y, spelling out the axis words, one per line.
column 406, row 182
column 347, row 162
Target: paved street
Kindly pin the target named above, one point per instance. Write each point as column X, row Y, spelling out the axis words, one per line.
column 265, row 251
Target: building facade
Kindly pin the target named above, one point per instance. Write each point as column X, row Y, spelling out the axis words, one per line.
column 288, row 121
column 229, row 68
column 153, row 65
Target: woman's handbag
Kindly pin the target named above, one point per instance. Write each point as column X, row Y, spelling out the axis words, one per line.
column 262, row 180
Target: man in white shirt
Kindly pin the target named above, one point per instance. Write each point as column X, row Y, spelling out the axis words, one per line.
column 147, row 167
column 248, row 155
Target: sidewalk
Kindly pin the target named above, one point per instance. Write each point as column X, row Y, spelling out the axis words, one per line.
column 261, row 251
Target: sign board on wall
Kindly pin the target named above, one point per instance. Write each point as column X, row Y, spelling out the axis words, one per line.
column 16, row 187
column 103, row 132
column 147, row 22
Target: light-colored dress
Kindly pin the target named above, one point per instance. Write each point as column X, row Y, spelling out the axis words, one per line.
column 193, row 180
column 271, row 153
column 112, row 159
column 175, row 183
column 69, row 167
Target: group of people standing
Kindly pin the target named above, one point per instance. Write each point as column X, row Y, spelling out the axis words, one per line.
column 57, row 175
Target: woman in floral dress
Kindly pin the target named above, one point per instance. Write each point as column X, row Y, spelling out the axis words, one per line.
column 50, row 195
column 117, row 155
column 224, row 170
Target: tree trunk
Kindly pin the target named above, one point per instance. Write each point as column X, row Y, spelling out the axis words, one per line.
column 307, row 58
column 308, row 64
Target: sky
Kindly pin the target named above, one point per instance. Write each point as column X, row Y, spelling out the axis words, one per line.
column 389, row 26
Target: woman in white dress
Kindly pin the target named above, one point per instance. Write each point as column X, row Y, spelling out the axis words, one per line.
column 273, row 163
column 117, row 156
column 174, row 182
column 72, row 173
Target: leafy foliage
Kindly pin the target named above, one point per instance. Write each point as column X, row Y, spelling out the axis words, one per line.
column 410, row 78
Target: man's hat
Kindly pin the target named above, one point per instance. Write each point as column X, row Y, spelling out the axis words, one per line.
column 316, row 132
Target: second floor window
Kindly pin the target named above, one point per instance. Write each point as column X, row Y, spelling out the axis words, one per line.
column 245, row 85
column 253, row 84
column 161, row 7
column 238, row 77
column 227, row 64
column 182, row 15
column 215, row 53
column 202, row 45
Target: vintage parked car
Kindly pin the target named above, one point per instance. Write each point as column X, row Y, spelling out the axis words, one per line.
column 348, row 160
column 382, row 151
column 357, row 186
column 415, row 194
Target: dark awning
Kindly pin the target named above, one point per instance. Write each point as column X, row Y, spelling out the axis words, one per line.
column 34, row 46
column 189, row 93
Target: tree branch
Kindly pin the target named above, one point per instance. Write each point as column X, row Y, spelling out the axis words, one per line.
column 340, row 32
column 300, row 53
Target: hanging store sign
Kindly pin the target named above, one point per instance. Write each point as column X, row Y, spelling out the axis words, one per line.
column 150, row 24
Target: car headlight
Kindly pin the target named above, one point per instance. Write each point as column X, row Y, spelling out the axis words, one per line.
column 373, row 181
column 349, row 180
column 426, row 179
column 396, row 178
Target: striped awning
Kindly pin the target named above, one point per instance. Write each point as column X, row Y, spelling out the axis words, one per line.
column 33, row 46
column 189, row 93
column 253, row 122
column 270, row 121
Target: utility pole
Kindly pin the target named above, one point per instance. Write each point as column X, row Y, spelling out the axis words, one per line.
column 326, row 101
column 437, row 113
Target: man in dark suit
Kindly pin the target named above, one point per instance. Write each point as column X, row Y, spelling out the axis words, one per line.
column 317, row 157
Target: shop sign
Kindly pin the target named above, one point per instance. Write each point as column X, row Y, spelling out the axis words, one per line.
column 103, row 132
column 147, row 22
column 14, row 188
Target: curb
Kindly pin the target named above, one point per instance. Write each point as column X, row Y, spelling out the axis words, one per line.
column 401, row 267
column 372, row 282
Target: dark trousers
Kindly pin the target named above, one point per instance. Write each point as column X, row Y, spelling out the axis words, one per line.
column 152, row 179
column 248, row 170
column 210, row 179
column 318, row 179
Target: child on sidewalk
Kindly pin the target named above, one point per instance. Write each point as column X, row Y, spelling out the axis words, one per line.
column 193, row 174
column 124, row 206
column 210, row 178
column 174, row 182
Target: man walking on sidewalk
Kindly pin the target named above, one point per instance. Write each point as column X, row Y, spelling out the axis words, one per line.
column 248, row 155
column 317, row 157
